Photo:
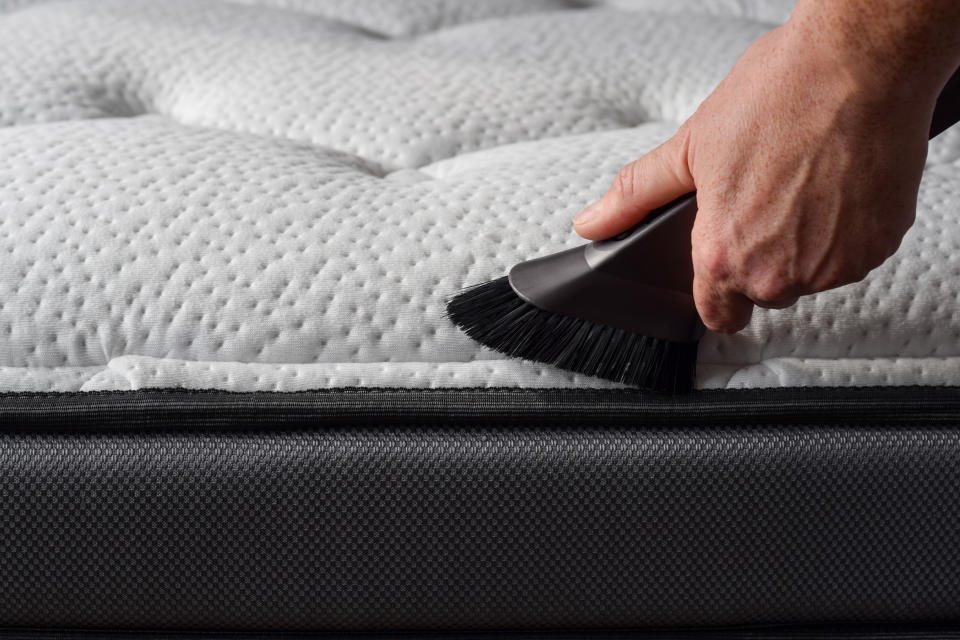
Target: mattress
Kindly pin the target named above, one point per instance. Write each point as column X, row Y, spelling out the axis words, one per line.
column 230, row 397
column 281, row 196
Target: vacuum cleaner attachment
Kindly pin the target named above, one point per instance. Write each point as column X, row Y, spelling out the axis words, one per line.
column 620, row 309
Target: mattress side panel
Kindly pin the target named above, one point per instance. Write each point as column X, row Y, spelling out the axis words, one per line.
column 460, row 522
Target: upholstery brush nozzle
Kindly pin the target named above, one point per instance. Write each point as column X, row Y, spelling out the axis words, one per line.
column 620, row 309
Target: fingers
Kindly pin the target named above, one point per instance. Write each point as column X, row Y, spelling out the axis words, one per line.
column 724, row 297
column 722, row 310
column 643, row 185
column 720, row 303
column 725, row 309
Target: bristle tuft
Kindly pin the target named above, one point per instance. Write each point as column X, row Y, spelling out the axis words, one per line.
column 494, row 315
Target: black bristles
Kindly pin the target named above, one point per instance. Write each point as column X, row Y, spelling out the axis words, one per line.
column 494, row 315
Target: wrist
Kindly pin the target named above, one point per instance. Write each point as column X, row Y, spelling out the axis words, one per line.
column 876, row 57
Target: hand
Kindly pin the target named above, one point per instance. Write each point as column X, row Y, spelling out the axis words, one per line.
column 806, row 170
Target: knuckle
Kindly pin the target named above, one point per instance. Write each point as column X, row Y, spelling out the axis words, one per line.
column 710, row 262
column 677, row 154
column 854, row 266
column 625, row 184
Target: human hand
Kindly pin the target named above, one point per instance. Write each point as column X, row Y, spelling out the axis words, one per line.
column 806, row 165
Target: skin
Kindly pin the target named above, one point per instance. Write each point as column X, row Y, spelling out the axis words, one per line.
column 806, row 159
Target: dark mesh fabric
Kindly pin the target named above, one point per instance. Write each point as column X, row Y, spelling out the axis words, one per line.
column 466, row 523
column 842, row 632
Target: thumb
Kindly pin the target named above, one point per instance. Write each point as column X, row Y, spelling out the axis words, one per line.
column 657, row 178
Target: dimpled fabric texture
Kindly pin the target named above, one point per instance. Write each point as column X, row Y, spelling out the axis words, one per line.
column 280, row 194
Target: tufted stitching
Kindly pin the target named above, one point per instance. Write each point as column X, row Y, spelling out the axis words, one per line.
column 246, row 197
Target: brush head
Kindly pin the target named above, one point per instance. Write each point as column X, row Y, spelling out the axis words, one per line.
column 493, row 314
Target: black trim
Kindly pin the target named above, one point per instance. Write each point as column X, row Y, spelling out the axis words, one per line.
column 847, row 632
column 211, row 409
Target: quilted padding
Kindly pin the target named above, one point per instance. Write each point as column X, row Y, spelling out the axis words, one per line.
column 280, row 194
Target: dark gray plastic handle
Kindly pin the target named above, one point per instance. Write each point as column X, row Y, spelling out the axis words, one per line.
column 641, row 281
column 654, row 247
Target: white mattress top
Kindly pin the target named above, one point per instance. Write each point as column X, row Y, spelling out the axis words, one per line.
column 280, row 194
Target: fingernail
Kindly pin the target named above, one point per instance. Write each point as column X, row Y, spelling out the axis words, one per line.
column 588, row 214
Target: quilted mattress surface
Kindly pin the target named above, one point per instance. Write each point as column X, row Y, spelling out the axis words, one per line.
column 280, row 194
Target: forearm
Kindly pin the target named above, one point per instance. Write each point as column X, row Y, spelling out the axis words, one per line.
column 899, row 46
